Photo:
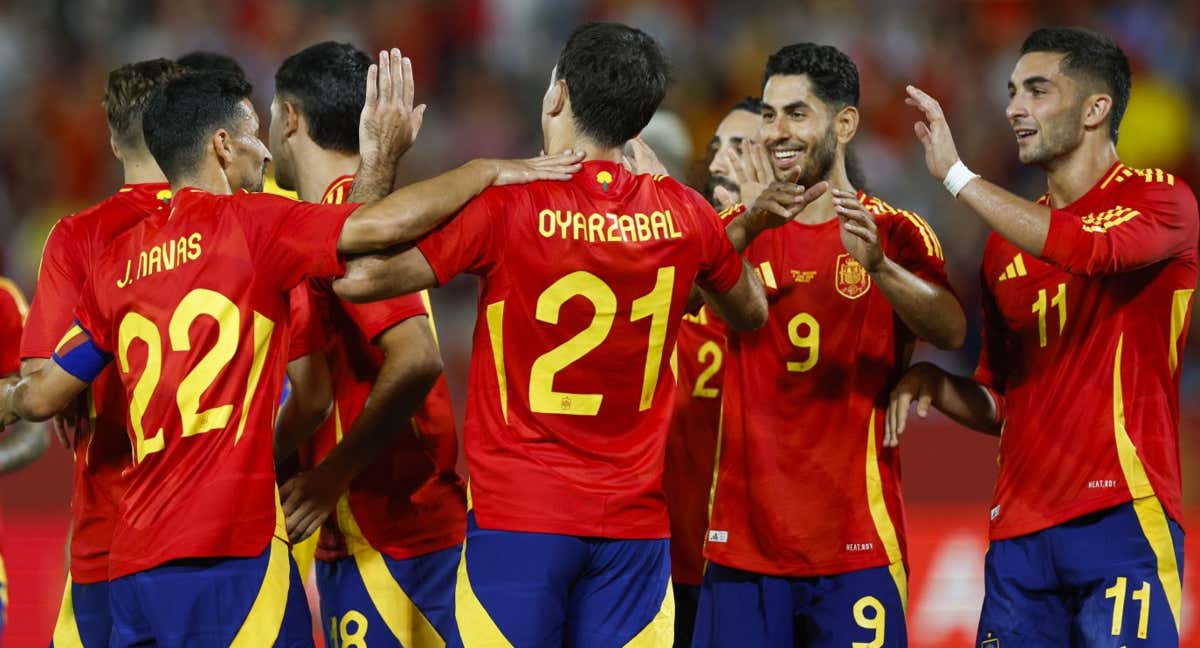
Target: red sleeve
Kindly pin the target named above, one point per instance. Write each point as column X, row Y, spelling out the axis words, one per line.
column 308, row 330
column 720, row 265
column 992, row 370
column 1157, row 221
column 12, row 317
column 374, row 318
column 463, row 244
column 93, row 318
column 915, row 247
column 292, row 239
column 60, row 278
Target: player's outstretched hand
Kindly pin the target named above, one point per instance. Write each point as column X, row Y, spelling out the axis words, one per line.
column 859, row 233
column 642, row 159
column 917, row 386
column 752, row 170
column 934, row 133
column 782, row 201
column 308, row 500
column 560, row 166
column 389, row 123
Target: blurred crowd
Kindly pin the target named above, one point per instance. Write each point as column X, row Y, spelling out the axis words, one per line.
column 482, row 66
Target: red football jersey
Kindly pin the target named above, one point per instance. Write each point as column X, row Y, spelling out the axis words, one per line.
column 692, row 441
column 411, row 501
column 193, row 304
column 102, row 447
column 13, row 310
column 584, row 284
column 804, row 485
column 1091, row 413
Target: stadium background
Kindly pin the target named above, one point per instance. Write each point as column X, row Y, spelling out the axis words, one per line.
column 482, row 66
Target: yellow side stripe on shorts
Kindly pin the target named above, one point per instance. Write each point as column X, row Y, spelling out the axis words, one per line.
column 660, row 632
column 263, row 623
column 475, row 625
column 66, row 630
column 402, row 617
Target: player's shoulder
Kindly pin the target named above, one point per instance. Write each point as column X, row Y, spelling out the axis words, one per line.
column 678, row 195
column 1132, row 183
column 12, row 300
column 888, row 216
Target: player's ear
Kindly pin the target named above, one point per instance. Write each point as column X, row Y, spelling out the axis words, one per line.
column 222, row 145
column 291, row 119
column 1096, row 110
column 557, row 98
column 845, row 124
column 112, row 143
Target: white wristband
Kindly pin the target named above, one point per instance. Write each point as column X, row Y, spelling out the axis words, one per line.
column 957, row 177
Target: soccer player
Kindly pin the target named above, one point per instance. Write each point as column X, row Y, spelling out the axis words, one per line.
column 806, row 536
column 192, row 303
column 698, row 360
column 96, row 427
column 21, row 444
column 583, row 288
column 387, row 561
column 1086, row 302
column 731, row 165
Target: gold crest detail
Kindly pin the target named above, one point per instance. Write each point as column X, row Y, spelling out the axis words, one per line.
column 850, row 278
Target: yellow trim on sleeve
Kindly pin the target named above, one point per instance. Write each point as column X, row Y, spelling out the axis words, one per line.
column 1179, row 312
column 71, row 333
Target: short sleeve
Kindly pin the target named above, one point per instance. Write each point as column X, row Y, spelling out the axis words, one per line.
column 60, row 279
column 92, row 318
column 308, row 327
column 12, row 318
column 915, row 247
column 1151, row 222
column 720, row 265
column 374, row 318
column 464, row 243
column 291, row 240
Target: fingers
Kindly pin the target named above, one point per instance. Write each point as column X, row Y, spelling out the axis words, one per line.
column 923, row 134
column 902, row 405
column 815, row 191
column 792, row 176
column 924, row 398
column 762, row 162
column 746, row 162
column 407, row 79
column 923, row 101
column 372, row 86
column 418, row 118
column 385, row 76
column 724, row 197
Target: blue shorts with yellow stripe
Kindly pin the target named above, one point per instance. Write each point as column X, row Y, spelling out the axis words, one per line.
column 369, row 599
column 84, row 618
column 1110, row 578
column 537, row 590
column 238, row 602
column 858, row 608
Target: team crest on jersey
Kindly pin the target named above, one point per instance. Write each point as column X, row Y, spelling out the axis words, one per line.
column 850, row 278
column 604, row 178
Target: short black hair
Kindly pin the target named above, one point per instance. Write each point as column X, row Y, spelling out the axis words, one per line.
column 616, row 77
column 185, row 112
column 129, row 90
column 328, row 82
column 833, row 75
column 202, row 61
column 1092, row 56
column 749, row 104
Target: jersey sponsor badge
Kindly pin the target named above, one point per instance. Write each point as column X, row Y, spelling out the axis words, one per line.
column 850, row 278
column 718, row 536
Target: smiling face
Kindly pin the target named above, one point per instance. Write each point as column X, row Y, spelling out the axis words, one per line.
column 798, row 129
column 1045, row 108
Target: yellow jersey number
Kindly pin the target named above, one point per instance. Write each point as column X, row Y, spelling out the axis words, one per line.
column 655, row 305
column 135, row 327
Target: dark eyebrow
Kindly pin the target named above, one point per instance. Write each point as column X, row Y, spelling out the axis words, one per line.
column 796, row 105
column 1034, row 80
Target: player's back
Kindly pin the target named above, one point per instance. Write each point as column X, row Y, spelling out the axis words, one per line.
column 584, row 285
column 102, row 445
column 192, row 305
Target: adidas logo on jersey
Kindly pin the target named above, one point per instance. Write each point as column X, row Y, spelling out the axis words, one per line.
column 718, row 536
column 1016, row 268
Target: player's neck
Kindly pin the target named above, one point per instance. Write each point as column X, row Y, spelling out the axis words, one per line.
column 142, row 170
column 822, row 210
column 591, row 150
column 1072, row 175
column 316, row 171
column 209, row 177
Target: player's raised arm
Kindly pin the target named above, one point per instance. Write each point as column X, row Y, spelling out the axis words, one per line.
column 388, row 126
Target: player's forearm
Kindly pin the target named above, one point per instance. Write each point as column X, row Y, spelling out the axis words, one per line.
column 412, row 211
column 375, row 277
column 931, row 312
column 41, row 394
column 401, row 388
column 743, row 307
column 21, row 445
column 373, row 180
column 293, row 427
column 743, row 229
column 1023, row 223
column 966, row 402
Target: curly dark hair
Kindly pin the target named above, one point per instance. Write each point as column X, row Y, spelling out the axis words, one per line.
column 833, row 75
